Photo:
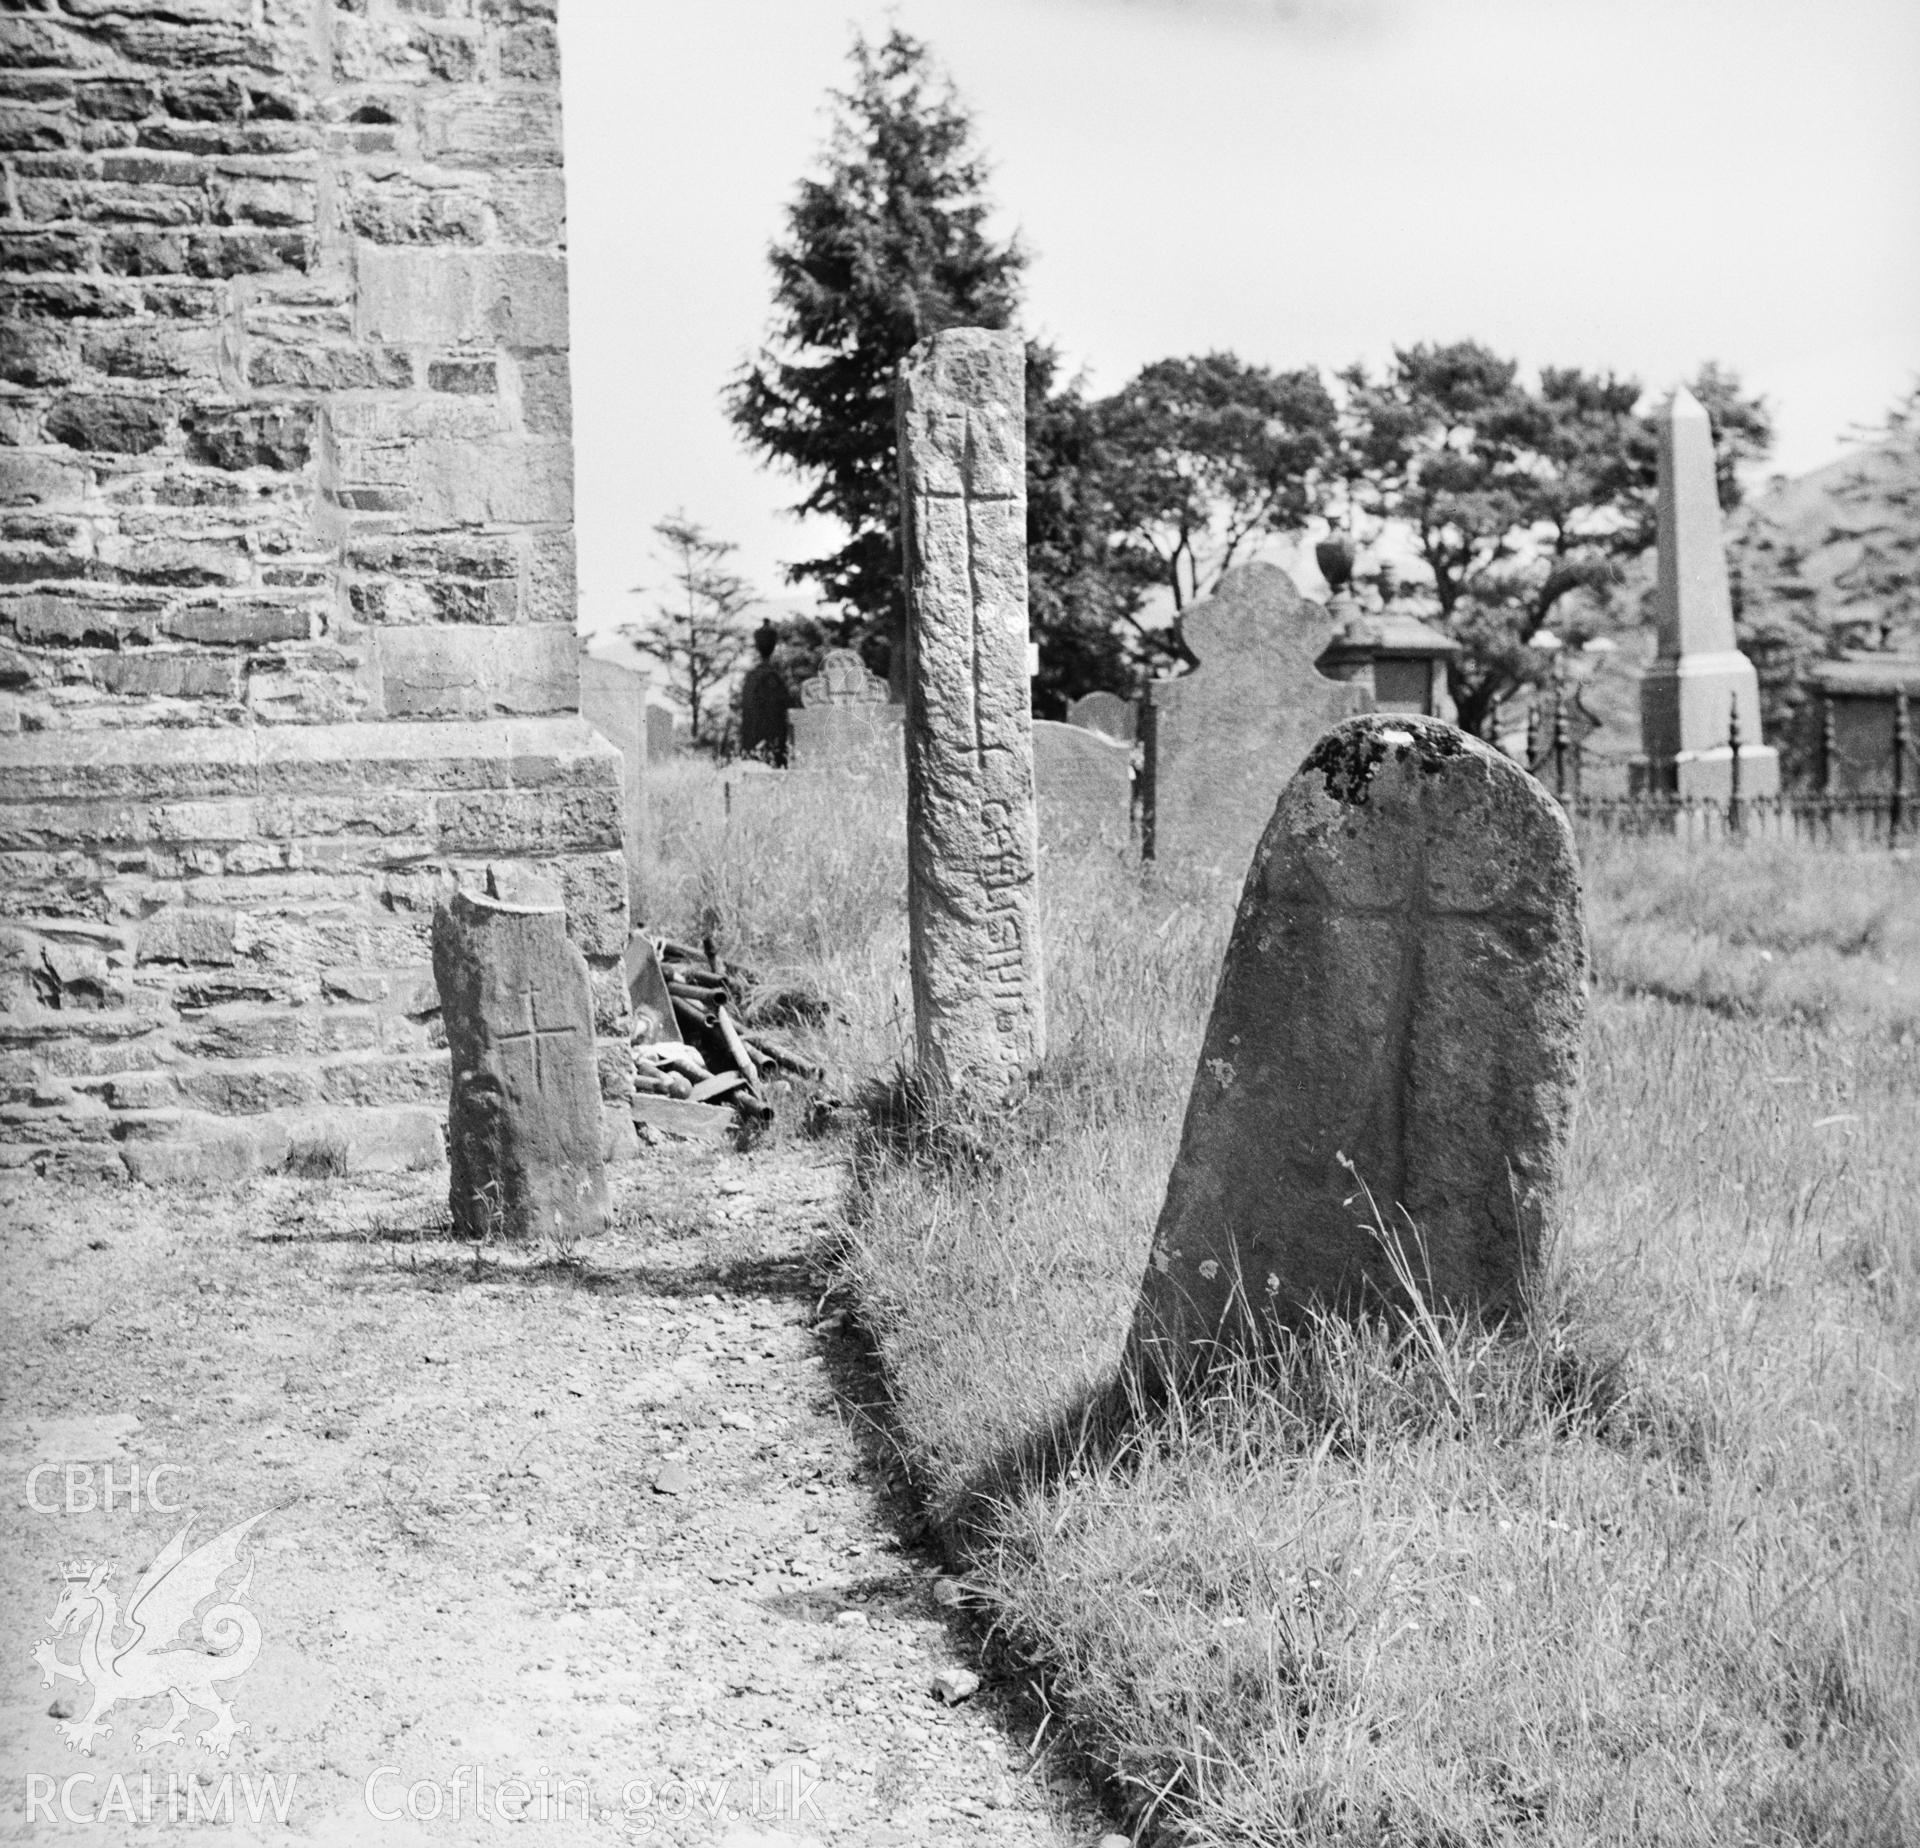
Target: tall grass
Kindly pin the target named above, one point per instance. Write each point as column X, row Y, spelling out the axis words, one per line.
column 1768, row 927
column 1649, row 1573
column 802, row 878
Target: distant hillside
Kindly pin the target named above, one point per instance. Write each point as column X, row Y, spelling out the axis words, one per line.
column 1837, row 551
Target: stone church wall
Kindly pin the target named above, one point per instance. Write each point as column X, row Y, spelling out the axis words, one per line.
column 286, row 566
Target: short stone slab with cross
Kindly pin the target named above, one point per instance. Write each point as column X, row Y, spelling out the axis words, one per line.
column 525, row 1130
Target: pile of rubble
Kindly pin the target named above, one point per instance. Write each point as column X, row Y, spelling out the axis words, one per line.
column 704, row 1057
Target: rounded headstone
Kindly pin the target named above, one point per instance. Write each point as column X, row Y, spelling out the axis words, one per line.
column 1103, row 712
column 1399, row 1016
column 1083, row 781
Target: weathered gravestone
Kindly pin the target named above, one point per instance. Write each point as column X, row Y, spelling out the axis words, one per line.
column 972, row 835
column 844, row 721
column 1222, row 740
column 1103, row 712
column 663, row 732
column 1084, row 782
column 524, row 1128
column 1400, row 1011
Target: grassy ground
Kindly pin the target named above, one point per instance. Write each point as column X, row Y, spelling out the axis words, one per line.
column 1649, row 1574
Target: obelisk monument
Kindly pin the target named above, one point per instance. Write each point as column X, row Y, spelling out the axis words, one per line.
column 1699, row 681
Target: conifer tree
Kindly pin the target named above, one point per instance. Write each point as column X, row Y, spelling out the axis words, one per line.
column 887, row 244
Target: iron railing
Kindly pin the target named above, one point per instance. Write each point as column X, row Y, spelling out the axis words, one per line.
column 1824, row 817
column 1813, row 820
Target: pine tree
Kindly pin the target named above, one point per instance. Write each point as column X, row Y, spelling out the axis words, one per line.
column 887, row 245
column 697, row 631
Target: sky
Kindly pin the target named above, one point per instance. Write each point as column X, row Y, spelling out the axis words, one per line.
column 1630, row 184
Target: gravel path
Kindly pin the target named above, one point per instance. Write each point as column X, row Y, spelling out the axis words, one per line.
column 607, row 1528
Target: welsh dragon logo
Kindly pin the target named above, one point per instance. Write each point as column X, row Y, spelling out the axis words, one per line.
column 168, row 1594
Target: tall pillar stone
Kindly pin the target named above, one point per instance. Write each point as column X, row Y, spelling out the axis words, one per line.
column 1689, row 695
column 972, row 831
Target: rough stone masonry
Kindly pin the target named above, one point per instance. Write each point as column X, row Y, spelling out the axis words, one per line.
column 1400, row 1014
column 286, row 567
column 972, row 832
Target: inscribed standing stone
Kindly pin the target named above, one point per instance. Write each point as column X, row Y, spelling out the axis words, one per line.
column 1223, row 739
column 972, row 835
column 524, row 1128
column 1401, row 1007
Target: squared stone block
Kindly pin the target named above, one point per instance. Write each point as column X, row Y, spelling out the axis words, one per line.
column 529, row 822
column 458, row 298
column 505, row 131
column 446, row 671
column 496, row 482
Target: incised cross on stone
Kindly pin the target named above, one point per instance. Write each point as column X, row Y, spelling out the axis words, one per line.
column 968, row 498
column 1380, row 1118
column 533, row 1035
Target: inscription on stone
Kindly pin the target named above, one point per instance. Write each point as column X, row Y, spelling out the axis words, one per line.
column 972, row 834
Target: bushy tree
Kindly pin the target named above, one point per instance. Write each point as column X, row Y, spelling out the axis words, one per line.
column 1742, row 428
column 697, row 630
column 1205, row 456
column 1880, row 589
column 1083, row 598
column 1511, row 497
column 1803, row 590
column 884, row 246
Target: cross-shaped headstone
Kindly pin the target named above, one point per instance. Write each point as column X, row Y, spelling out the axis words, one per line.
column 1222, row 740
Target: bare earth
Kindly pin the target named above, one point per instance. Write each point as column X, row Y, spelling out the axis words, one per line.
column 477, row 1562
